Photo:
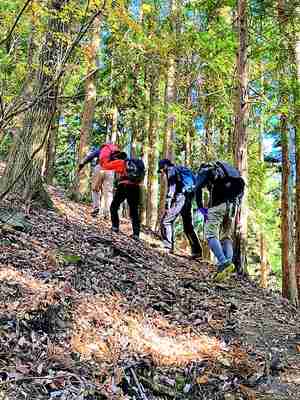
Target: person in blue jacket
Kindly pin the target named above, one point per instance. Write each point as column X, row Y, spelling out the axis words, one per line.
column 178, row 202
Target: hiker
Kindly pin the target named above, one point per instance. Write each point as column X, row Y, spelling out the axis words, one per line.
column 181, row 184
column 226, row 188
column 101, row 180
column 131, row 175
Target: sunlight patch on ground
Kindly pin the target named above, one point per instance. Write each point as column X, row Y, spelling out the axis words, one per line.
column 37, row 294
column 105, row 329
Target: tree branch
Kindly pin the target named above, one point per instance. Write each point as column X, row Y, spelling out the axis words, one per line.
column 15, row 23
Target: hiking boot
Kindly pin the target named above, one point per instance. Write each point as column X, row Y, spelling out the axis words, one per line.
column 115, row 229
column 95, row 212
column 224, row 271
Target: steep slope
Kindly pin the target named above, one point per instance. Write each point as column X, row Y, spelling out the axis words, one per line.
column 90, row 315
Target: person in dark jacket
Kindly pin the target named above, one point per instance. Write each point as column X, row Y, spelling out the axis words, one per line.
column 101, row 182
column 126, row 190
column 220, row 215
column 178, row 202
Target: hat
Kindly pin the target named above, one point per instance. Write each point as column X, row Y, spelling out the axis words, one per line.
column 162, row 163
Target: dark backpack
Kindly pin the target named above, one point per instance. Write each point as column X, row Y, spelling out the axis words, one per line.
column 135, row 170
column 187, row 179
column 232, row 177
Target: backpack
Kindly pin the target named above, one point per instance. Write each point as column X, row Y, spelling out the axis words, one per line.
column 187, row 179
column 231, row 176
column 135, row 170
column 106, row 150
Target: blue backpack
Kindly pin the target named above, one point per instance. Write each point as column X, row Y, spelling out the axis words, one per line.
column 187, row 179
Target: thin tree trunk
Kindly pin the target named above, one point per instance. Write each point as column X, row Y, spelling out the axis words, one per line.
column 152, row 179
column 48, row 167
column 189, row 131
column 286, row 167
column 264, row 270
column 91, row 53
column 240, row 132
column 27, row 156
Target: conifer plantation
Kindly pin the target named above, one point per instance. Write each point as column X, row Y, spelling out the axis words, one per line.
column 94, row 310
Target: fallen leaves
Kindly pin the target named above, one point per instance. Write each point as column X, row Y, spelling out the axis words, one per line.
column 72, row 327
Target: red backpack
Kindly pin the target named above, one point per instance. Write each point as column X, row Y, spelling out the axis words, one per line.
column 106, row 151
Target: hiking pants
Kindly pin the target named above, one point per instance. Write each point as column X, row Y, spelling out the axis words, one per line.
column 102, row 187
column 132, row 194
column 182, row 205
column 219, row 224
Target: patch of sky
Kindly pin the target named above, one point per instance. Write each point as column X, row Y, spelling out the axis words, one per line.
column 199, row 123
column 134, row 8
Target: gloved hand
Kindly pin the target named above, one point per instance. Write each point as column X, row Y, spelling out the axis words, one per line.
column 204, row 212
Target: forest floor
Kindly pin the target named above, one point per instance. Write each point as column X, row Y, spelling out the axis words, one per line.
column 86, row 314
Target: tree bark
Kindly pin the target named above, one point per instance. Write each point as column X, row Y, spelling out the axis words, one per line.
column 289, row 205
column 297, row 133
column 26, row 159
column 170, row 100
column 88, row 113
column 240, row 132
column 152, row 181
column 49, row 164
column 286, row 167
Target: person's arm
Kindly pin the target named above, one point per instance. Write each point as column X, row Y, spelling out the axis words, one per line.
column 89, row 157
column 118, row 166
column 172, row 182
column 201, row 181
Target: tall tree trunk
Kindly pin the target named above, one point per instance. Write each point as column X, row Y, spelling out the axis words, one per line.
column 189, row 131
column 264, row 270
column 297, row 133
column 288, row 229
column 240, row 132
column 23, row 171
column 91, row 52
column 170, row 100
column 152, row 181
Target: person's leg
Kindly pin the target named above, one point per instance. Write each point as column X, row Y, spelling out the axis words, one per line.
column 227, row 248
column 133, row 196
column 107, row 192
column 188, row 226
column 227, row 231
column 97, row 180
column 167, row 222
column 119, row 197
column 212, row 228
column 225, row 265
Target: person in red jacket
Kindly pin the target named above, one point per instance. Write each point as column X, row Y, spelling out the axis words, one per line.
column 126, row 190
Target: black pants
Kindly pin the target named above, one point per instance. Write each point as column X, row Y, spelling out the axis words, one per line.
column 182, row 204
column 132, row 194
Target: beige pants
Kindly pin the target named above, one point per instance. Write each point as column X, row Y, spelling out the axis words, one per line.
column 102, row 189
column 219, row 224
